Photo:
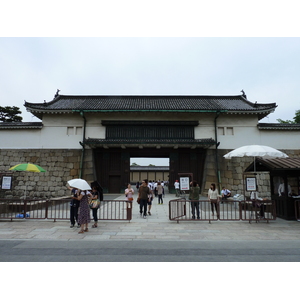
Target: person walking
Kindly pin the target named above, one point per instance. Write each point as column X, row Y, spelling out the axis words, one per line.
column 194, row 198
column 150, row 196
column 214, row 198
column 176, row 185
column 160, row 193
column 84, row 211
column 143, row 193
column 94, row 208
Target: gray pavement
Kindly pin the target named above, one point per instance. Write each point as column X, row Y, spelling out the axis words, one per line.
column 153, row 239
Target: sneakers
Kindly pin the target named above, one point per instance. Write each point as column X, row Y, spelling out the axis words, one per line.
column 72, row 226
column 144, row 217
column 149, row 213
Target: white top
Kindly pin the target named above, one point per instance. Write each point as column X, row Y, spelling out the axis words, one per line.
column 176, row 184
column 87, row 192
column 213, row 195
column 225, row 192
column 281, row 189
column 129, row 193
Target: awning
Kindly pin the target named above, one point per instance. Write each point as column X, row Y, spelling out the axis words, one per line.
column 280, row 164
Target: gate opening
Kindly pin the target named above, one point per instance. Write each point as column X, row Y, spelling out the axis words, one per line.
column 151, row 168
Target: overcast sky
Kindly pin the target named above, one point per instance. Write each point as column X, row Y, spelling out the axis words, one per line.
column 266, row 68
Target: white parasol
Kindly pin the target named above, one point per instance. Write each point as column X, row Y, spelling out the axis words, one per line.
column 255, row 151
column 80, row 184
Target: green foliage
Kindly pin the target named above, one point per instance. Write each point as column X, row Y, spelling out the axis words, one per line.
column 296, row 119
column 297, row 116
column 134, row 164
column 285, row 121
column 10, row 114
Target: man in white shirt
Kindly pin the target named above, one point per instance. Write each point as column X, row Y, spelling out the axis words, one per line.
column 176, row 185
column 225, row 193
column 281, row 190
column 151, row 187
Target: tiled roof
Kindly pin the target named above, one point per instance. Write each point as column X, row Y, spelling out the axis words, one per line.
column 278, row 126
column 281, row 163
column 67, row 104
column 276, row 164
column 21, row 125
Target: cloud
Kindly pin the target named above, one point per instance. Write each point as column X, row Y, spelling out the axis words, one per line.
column 266, row 68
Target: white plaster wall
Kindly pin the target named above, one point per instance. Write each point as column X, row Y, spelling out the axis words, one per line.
column 20, row 139
column 289, row 140
column 54, row 134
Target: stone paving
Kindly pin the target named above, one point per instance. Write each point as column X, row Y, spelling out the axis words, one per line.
column 154, row 227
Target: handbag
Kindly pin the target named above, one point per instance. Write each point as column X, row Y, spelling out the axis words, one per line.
column 130, row 199
column 94, row 204
column 138, row 200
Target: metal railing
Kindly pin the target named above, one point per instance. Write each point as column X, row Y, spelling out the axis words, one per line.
column 297, row 210
column 59, row 209
column 229, row 210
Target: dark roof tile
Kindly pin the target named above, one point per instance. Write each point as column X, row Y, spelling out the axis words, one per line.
column 64, row 103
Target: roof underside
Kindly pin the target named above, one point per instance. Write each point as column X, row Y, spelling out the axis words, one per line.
column 276, row 164
column 71, row 104
column 203, row 143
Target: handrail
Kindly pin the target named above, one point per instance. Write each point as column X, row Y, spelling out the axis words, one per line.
column 297, row 210
column 228, row 210
column 59, row 209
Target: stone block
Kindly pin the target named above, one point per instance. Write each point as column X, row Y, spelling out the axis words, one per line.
column 74, row 172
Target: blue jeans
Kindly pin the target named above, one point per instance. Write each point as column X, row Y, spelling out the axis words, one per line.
column 195, row 204
column 160, row 198
column 95, row 217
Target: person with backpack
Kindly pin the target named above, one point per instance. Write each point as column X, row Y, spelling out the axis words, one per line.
column 74, row 206
column 194, row 198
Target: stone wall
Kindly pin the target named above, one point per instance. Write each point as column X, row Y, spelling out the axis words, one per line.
column 63, row 165
column 60, row 165
column 231, row 173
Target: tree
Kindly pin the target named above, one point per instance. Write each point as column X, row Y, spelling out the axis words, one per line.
column 296, row 119
column 10, row 114
column 151, row 165
column 297, row 116
column 135, row 164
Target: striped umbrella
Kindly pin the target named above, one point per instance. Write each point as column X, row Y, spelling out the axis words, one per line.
column 28, row 168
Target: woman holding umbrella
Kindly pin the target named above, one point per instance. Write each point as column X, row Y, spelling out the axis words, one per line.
column 84, row 210
column 83, row 196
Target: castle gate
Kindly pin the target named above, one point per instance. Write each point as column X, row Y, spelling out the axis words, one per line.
column 125, row 139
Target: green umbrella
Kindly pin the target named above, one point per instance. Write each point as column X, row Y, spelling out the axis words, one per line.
column 27, row 168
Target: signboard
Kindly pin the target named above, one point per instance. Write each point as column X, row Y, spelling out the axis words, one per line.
column 184, row 183
column 250, row 183
column 6, row 183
